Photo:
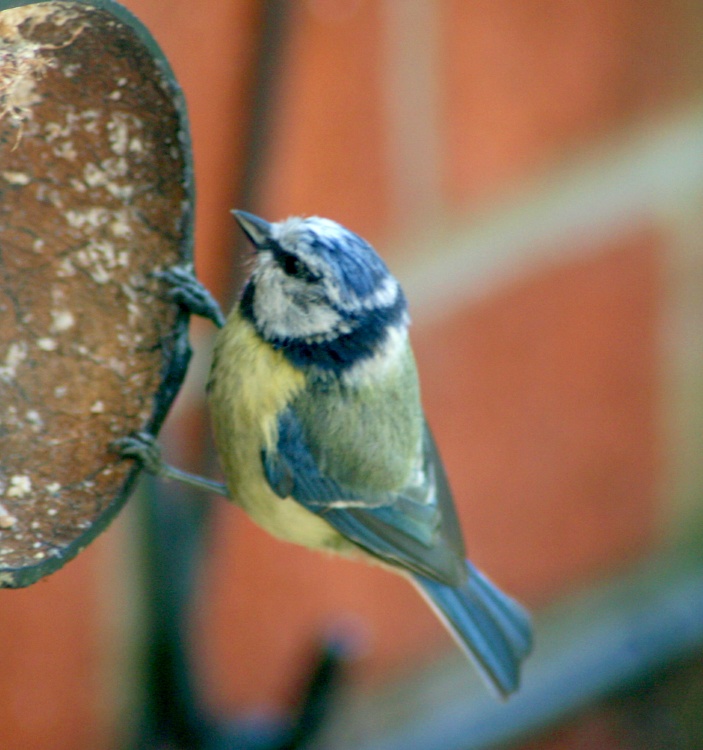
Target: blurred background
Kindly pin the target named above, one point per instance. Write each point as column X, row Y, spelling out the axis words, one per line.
column 532, row 171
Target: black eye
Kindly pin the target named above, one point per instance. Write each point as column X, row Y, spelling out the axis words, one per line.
column 293, row 266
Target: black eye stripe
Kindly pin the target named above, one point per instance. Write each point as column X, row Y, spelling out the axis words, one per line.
column 293, row 266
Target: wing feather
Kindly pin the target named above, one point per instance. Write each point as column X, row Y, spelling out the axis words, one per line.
column 414, row 527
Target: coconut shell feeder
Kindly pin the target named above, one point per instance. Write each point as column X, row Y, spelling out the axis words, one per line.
column 96, row 197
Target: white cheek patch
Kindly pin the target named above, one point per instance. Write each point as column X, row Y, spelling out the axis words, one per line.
column 277, row 314
column 314, row 322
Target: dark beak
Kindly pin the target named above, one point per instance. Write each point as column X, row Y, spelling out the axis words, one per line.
column 256, row 229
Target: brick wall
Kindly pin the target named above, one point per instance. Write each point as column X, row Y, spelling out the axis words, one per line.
column 531, row 172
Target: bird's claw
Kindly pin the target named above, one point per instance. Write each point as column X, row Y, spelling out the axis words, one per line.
column 188, row 292
column 142, row 447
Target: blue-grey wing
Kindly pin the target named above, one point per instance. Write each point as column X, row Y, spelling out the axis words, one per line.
column 414, row 527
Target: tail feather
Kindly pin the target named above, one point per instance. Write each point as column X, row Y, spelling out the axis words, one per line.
column 510, row 616
column 492, row 628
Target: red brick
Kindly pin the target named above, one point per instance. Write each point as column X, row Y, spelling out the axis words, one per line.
column 265, row 603
column 54, row 680
column 327, row 154
column 529, row 82
column 210, row 46
column 545, row 400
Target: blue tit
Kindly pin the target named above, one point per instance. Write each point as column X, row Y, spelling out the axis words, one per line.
column 320, row 431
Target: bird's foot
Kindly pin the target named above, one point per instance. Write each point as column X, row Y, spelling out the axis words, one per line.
column 188, row 292
column 143, row 447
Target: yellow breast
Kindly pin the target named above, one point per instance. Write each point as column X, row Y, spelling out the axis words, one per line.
column 250, row 384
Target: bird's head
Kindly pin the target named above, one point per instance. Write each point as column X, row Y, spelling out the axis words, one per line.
column 319, row 291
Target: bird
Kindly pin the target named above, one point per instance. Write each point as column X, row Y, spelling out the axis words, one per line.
column 319, row 427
